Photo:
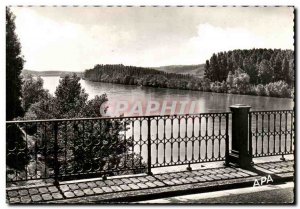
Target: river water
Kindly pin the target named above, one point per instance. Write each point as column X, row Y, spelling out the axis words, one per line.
column 206, row 101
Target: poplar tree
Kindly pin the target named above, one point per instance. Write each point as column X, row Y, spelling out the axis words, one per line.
column 14, row 66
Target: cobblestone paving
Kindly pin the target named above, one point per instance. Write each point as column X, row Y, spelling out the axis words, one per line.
column 134, row 183
column 277, row 167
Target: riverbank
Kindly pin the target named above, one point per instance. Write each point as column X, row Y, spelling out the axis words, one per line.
column 207, row 101
column 276, row 89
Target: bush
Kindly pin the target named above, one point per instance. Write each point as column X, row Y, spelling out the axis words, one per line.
column 260, row 90
column 251, row 90
column 205, row 85
column 241, row 82
column 278, row 89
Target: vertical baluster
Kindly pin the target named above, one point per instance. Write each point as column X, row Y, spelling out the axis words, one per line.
column 250, row 133
column 125, row 149
column 256, row 132
column 193, row 137
column 200, row 137
column 140, row 142
column 118, row 142
column 292, row 131
column 84, row 147
column 74, row 147
column 285, row 137
column 274, row 137
column 149, row 145
column 189, row 168
column 44, row 142
column 56, row 163
column 286, row 130
column 26, row 152
column 82, row 134
column 100, row 139
column 65, row 147
column 206, row 135
column 172, row 139
column 262, row 134
column 133, row 143
column 164, row 138
column 268, row 133
column 280, row 118
column 227, row 141
column 179, row 141
column 36, row 155
column 213, row 138
column 157, row 140
column 185, row 139
column 219, row 135
column 91, row 145
column 106, row 121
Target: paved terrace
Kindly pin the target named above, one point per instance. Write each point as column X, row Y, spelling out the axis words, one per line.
column 145, row 187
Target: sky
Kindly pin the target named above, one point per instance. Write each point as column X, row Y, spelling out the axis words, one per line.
column 78, row 38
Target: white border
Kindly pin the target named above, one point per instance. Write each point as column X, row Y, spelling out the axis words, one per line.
column 3, row 3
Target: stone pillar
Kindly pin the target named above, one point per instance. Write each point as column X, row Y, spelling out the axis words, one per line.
column 240, row 154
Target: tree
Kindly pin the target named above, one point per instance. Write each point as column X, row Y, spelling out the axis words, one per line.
column 214, row 68
column 32, row 91
column 229, row 79
column 250, row 69
column 70, row 98
column 278, row 73
column 265, row 72
column 241, row 81
column 207, row 73
column 292, row 72
column 105, row 145
column 286, row 71
column 14, row 66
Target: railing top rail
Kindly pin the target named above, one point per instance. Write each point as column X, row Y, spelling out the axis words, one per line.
column 266, row 111
column 107, row 118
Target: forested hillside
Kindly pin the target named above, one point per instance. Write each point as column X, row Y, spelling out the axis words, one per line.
column 262, row 72
column 195, row 70
column 262, row 65
column 131, row 75
column 50, row 73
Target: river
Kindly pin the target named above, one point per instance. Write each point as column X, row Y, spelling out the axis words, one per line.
column 206, row 101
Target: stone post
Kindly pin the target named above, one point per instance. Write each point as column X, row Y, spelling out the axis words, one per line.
column 240, row 154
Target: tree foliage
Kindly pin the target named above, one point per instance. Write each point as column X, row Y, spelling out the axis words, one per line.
column 237, row 72
column 262, row 65
column 91, row 144
column 32, row 91
column 14, row 66
column 130, row 75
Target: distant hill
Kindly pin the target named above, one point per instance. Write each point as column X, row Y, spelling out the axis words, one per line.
column 50, row 73
column 195, row 70
column 141, row 76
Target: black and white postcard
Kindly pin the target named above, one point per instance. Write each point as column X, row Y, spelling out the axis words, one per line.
column 150, row 105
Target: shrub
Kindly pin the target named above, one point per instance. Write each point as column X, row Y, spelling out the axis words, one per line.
column 260, row 90
column 278, row 89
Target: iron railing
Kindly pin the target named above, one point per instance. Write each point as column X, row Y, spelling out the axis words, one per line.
column 188, row 139
column 271, row 132
column 97, row 147
column 93, row 147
